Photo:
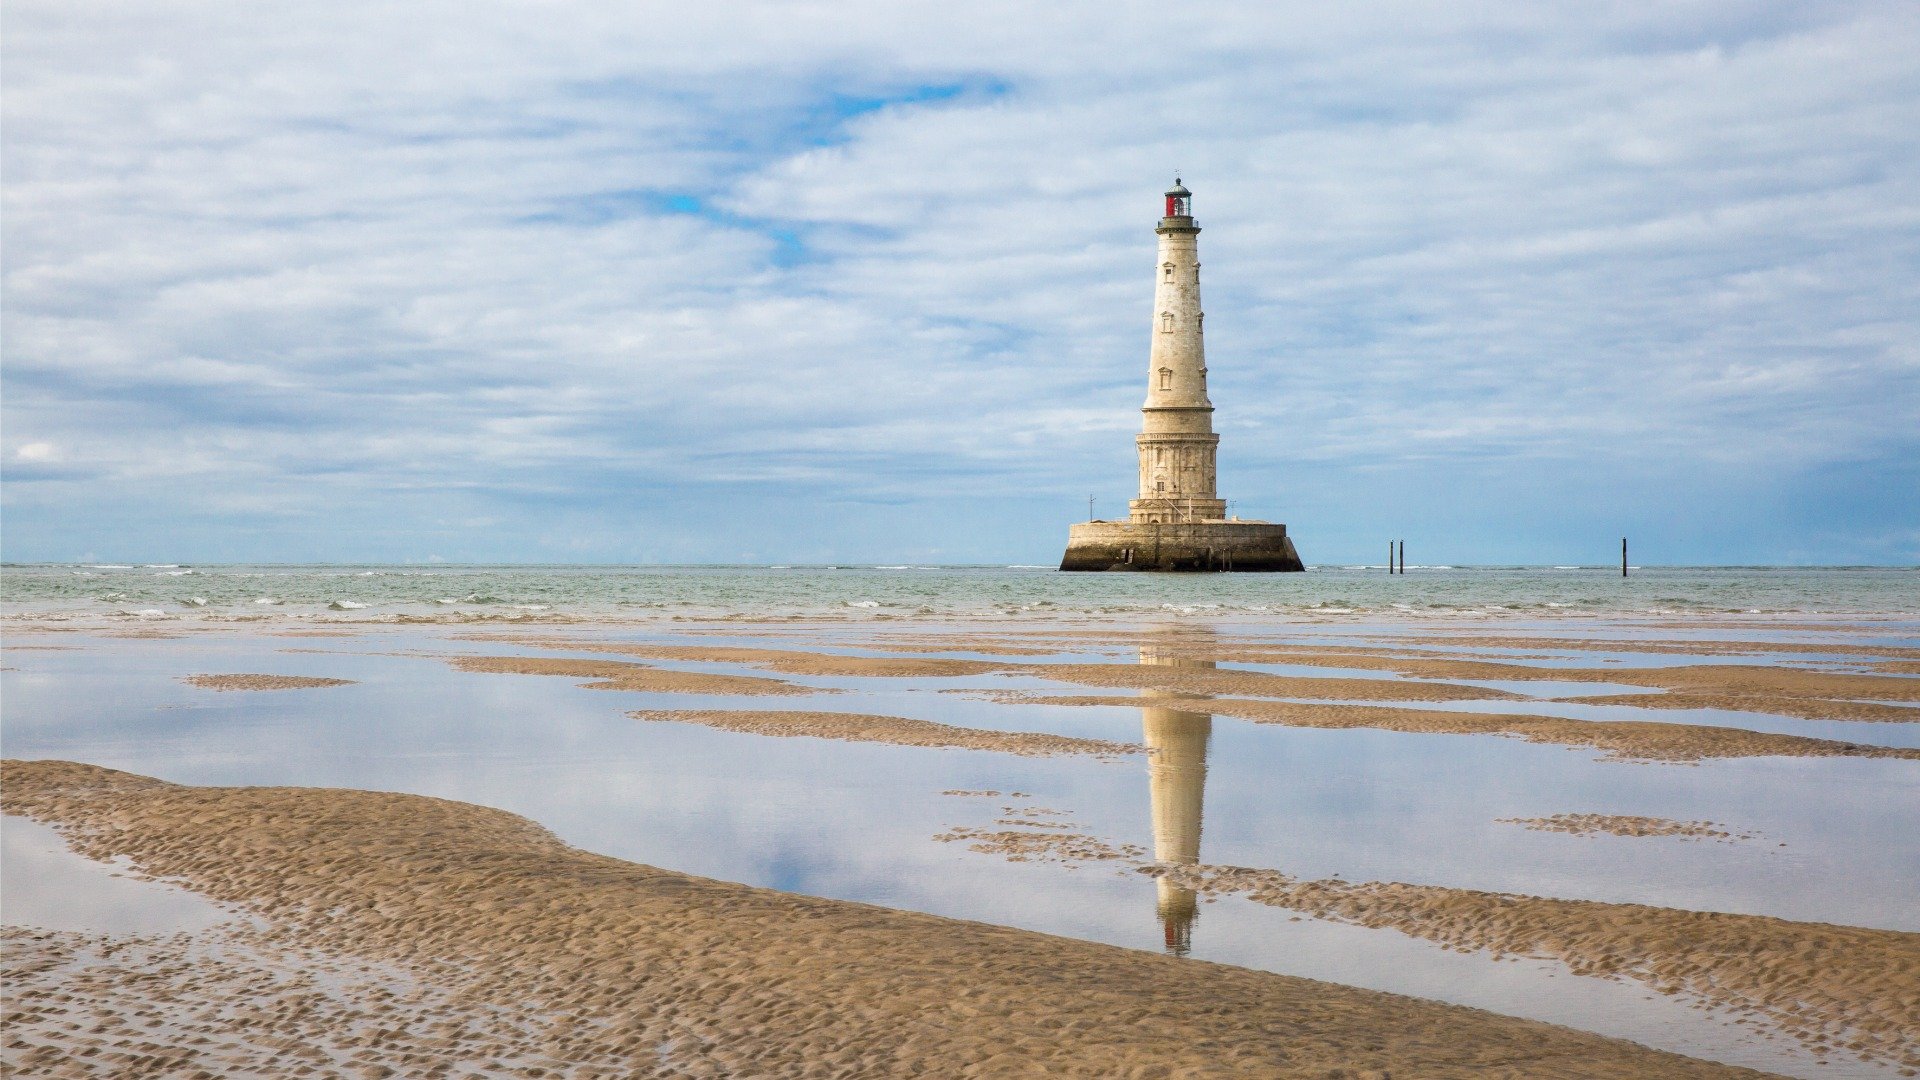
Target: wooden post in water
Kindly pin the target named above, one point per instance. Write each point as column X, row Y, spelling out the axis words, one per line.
column 1623, row 556
column 1403, row 556
column 1389, row 556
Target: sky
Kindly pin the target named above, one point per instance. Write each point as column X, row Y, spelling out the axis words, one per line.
column 538, row 282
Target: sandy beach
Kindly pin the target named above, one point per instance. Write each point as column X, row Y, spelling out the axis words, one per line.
column 629, row 970
column 396, row 930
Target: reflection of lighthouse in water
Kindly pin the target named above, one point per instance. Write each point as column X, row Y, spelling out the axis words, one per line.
column 1177, row 781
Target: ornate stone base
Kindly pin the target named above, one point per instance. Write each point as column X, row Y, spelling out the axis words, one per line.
column 1201, row 546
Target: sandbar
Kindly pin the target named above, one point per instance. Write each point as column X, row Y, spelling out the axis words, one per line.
column 1628, row 825
column 620, row 675
column 261, row 682
column 898, row 730
column 1633, row 740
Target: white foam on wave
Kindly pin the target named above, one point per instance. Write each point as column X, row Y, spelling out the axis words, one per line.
column 863, row 603
column 145, row 613
column 342, row 605
column 266, row 600
column 162, row 566
column 195, row 601
column 109, row 566
column 173, row 573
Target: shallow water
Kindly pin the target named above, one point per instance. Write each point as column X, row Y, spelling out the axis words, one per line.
column 52, row 887
column 1833, row 838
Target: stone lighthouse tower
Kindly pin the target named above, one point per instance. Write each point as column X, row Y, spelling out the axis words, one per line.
column 1179, row 521
column 1176, row 440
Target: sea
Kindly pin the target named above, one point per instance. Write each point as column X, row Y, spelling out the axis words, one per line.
column 460, row 593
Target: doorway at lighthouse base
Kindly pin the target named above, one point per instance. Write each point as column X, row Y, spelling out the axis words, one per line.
column 1200, row 546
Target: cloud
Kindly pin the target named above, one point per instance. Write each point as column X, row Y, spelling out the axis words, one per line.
column 640, row 267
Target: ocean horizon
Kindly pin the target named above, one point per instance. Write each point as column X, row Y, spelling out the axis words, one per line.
column 594, row 592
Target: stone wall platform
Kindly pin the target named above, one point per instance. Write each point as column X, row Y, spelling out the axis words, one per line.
column 1200, row 546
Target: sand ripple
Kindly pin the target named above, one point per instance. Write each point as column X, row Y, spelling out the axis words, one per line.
column 598, row 959
column 1837, row 989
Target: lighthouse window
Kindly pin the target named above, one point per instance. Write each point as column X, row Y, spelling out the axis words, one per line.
column 1168, row 268
column 1159, row 485
column 1166, row 378
column 1166, row 322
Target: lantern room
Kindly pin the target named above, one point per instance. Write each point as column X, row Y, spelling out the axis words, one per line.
column 1179, row 200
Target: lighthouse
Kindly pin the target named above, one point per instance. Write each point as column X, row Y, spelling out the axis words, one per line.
column 1178, row 521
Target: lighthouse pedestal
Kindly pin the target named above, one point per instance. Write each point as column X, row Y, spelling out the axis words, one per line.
column 1201, row 546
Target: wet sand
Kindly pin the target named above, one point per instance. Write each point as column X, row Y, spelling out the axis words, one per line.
column 897, row 730
column 1804, row 708
column 1684, row 648
column 1838, row 989
column 255, row 1005
column 1628, row 825
column 1024, row 845
column 793, row 662
column 261, row 682
column 618, row 675
column 1783, row 691
column 629, row 970
column 1198, row 680
column 1192, row 680
column 1629, row 740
